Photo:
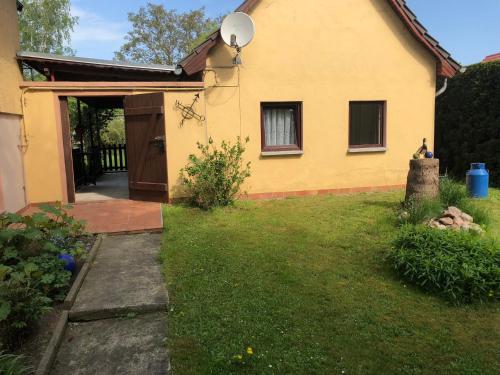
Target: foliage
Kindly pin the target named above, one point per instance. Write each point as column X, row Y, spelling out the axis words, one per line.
column 31, row 275
column 46, row 26
column 458, row 265
column 11, row 364
column 416, row 211
column 452, row 193
column 114, row 132
column 294, row 278
column 23, row 305
column 468, row 121
column 163, row 36
column 480, row 214
column 214, row 178
column 88, row 118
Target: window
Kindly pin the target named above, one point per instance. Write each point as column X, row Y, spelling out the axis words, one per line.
column 281, row 127
column 367, row 124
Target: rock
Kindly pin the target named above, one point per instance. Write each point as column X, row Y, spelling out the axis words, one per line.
column 446, row 221
column 458, row 221
column 476, row 228
column 452, row 212
column 436, row 224
column 455, row 211
column 467, row 218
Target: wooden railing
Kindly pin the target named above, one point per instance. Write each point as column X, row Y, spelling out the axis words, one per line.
column 114, row 158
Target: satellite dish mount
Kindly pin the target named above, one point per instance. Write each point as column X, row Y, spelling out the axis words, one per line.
column 237, row 31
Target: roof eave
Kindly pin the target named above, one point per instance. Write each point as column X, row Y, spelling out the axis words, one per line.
column 446, row 67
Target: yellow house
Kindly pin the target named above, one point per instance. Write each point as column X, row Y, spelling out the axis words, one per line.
column 12, row 196
column 335, row 96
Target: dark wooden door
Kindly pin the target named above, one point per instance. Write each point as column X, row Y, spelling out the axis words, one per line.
column 68, row 149
column 146, row 147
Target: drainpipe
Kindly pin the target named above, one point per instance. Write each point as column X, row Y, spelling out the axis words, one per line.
column 443, row 89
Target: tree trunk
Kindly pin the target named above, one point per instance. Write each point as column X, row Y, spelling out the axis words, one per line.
column 423, row 179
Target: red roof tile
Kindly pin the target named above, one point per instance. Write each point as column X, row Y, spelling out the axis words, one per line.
column 491, row 58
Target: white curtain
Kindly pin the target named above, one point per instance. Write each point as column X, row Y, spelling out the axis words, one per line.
column 279, row 124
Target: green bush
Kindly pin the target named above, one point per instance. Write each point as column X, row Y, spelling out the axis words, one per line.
column 416, row 211
column 214, row 178
column 468, row 122
column 452, row 193
column 460, row 266
column 31, row 275
column 11, row 364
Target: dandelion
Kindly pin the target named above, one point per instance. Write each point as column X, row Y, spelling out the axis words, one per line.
column 249, row 350
column 238, row 357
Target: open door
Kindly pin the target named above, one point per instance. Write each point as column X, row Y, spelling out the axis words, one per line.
column 146, row 147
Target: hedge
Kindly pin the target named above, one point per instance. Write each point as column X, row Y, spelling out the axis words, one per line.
column 468, row 121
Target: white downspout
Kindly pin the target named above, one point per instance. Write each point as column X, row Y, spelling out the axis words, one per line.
column 443, row 89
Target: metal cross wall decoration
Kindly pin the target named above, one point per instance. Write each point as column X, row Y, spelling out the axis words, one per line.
column 188, row 112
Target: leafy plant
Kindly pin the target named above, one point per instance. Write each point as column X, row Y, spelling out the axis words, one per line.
column 11, row 364
column 214, row 178
column 416, row 211
column 481, row 215
column 22, row 305
column 452, row 193
column 31, row 274
column 458, row 265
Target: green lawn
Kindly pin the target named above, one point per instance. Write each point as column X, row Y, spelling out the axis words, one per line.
column 303, row 282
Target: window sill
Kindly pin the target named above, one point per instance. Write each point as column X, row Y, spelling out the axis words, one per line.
column 366, row 150
column 282, row 153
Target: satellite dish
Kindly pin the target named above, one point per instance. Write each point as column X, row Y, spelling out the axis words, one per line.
column 237, row 30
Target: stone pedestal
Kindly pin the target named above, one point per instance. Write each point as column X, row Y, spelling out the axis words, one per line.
column 423, row 179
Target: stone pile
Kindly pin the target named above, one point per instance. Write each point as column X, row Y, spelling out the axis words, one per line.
column 454, row 218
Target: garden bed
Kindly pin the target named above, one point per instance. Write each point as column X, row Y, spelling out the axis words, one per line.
column 43, row 258
column 36, row 344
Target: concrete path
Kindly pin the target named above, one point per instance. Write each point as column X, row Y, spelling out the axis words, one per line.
column 118, row 322
column 124, row 278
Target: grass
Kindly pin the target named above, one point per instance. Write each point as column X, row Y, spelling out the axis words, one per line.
column 304, row 283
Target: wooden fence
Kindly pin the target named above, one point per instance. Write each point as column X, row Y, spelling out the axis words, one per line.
column 114, row 158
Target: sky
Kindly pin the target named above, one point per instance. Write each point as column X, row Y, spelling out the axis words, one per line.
column 468, row 29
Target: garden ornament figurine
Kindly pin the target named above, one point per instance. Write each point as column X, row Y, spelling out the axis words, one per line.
column 423, row 150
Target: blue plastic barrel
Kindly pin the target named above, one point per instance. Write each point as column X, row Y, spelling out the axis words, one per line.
column 478, row 180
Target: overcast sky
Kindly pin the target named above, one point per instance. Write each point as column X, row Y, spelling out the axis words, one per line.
column 469, row 29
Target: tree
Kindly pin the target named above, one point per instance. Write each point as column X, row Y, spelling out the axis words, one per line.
column 162, row 36
column 46, row 26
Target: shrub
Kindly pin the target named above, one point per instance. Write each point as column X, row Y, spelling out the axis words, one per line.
column 416, row 211
column 468, row 121
column 22, row 305
column 31, row 275
column 458, row 265
column 11, row 364
column 452, row 193
column 214, row 178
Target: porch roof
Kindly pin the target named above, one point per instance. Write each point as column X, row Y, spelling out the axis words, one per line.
column 72, row 68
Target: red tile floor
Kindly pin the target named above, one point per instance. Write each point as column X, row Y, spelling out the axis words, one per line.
column 116, row 216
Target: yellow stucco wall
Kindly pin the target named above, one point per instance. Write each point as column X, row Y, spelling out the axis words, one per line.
column 324, row 54
column 44, row 155
column 10, row 94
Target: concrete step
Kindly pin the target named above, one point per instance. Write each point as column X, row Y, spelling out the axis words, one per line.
column 124, row 278
column 124, row 346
